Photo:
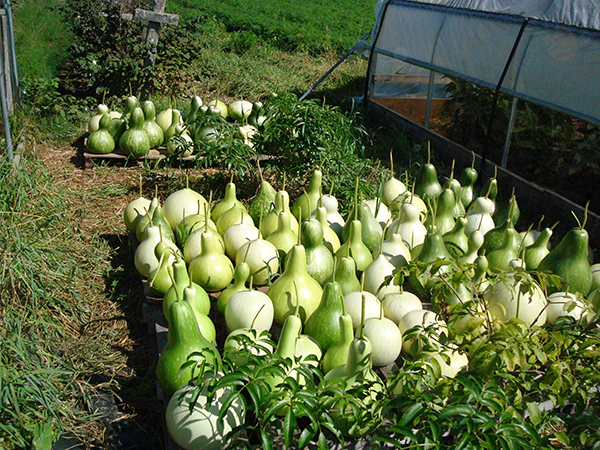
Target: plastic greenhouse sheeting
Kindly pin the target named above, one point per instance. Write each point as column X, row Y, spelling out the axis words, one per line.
column 548, row 50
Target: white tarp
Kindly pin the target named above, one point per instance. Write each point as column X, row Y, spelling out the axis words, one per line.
column 556, row 63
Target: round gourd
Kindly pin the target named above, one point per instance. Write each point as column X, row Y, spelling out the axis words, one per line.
column 201, row 428
column 397, row 304
column 386, row 340
column 246, row 309
column 101, row 141
column 353, row 306
column 564, row 304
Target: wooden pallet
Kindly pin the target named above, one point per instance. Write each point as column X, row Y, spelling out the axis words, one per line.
column 91, row 160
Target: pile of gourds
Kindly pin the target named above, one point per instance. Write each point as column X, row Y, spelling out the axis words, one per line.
column 138, row 129
column 349, row 291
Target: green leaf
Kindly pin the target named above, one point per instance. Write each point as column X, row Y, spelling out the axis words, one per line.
column 457, row 410
column 43, row 436
column 289, row 425
column 305, row 437
column 535, row 415
column 412, row 412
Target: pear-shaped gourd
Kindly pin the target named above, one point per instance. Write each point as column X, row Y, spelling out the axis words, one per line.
column 295, row 286
column 206, row 326
column 409, row 226
column 263, row 201
column 238, row 235
column 355, row 248
column 145, row 259
column 432, row 250
column 443, row 218
column 193, row 115
column 500, row 258
column 134, row 141
column 495, row 238
column 468, row 177
column 454, row 185
column 427, row 185
column 283, row 238
column 380, row 212
column 134, row 211
column 371, row 231
column 232, row 217
column 181, row 143
column 392, row 187
column 475, row 241
column 330, row 238
column 183, row 339
column 193, row 244
column 324, row 324
column 191, row 224
column 456, row 240
column 165, row 118
column 378, row 274
column 509, row 210
column 345, row 275
column 154, row 132
column 337, row 354
column 182, row 203
column 145, row 220
column 334, row 218
column 568, row 259
column 229, row 200
column 307, row 202
column 94, row 123
column 200, row 305
column 537, row 251
column 159, row 280
column 319, row 259
column 356, row 373
column 240, row 276
column 211, row 269
column 270, row 221
column 101, row 141
column 158, row 218
column 172, row 129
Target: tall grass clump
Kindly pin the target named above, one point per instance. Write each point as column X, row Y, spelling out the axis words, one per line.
column 47, row 284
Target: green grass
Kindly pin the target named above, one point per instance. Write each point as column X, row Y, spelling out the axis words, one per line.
column 317, row 26
column 41, row 38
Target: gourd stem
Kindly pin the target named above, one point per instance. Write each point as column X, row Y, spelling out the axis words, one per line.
column 170, row 272
column 428, row 152
column 283, row 182
column 141, row 184
column 362, row 316
column 391, row 164
column 299, row 222
column 257, row 313
column 356, row 199
column 473, row 161
column 250, row 282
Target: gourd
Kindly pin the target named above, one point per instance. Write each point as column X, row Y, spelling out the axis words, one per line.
column 468, row 177
column 134, row 141
column 101, row 141
column 337, row 354
column 152, row 129
column 134, row 210
column 145, row 259
column 345, row 275
column 457, row 361
column 371, row 231
column 475, row 241
column 432, row 250
column 94, row 123
column 262, row 258
column 428, row 322
column 568, row 259
column 456, row 240
column 395, row 250
column 562, row 304
column 443, row 218
column 355, row 248
column 307, row 202
column 262, row 201
column 376, row 273
column 319, row 259
column 334, row 218
column 181, row 203
column 392, row 187
column 200, row 427
column 205, row 325
column 284, row 294
column 239, row 110
column 509, row 298
column 397, row 304
column 283, row 238
column 181, row 280
column 537, row 251
column 453, row 184
column 380, row 212
column 324, row 323
column 270, row 221
column 229, row 200
column 427, row 185
column 240, row 276
column 193, row 244
column 385, row 338
column 211, row 269
column 180, row 143
column 233, row 216
column 237, row 235
column 249, row 309
column 221, row 106
column 164, row 119
column 409, row 226
column 480, row 216
column 308, row 351
column 356, row 373
column 159, row 281
column 330, row 238
column 192, row 116
column 183, row 339
column 353, row 305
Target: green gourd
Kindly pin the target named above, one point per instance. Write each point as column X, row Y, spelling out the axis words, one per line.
column 283, row 238
column 183, row 339
column 192, row 116
column 490, row 189
column 507, row 210
column 443, row 218
column 392, row 187
column 211, row 269
column 206, row 326
column 155, row 133
column 356, row 373
column 158, row 218
column 159, row 280
column 240, row 276
column 433, row 248
column 468, row 178
column 94, row 123
column 175, row 120
column 569, row 260
column 117, row 127
column 295, row 286
column 324, row 324
column 456, row 240
column 337, row 354
column 146, row 220
column 496, row 237
column 536, row 252
column 101, row 141
column 355, row 248
column 134, row 141
column 454, row 185
column 330, row 237
column 131, row 103
column 500, row 258
column 229, row 200
column 319, row 259
column 427, row 185
column 270, row 221
column 307, row 202
column 371, row 231
column 345, row 275
column 232, row 217
column 263, row 201
column 474, row 243
column 181, row 280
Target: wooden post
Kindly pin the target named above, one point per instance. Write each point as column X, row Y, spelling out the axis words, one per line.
column 155, row 18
